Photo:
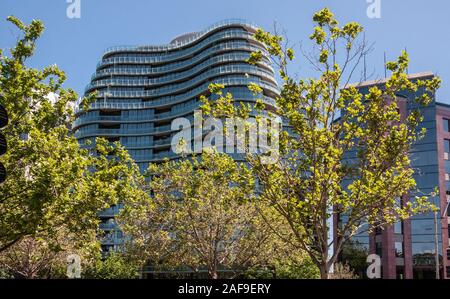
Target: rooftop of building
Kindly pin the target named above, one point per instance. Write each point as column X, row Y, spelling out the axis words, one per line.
column 421, row 75
column 445, row 105
column 181, row 40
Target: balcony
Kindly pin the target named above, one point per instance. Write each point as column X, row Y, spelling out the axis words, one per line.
column 110, row 212
column 180, row 44
column 189, row 64
column 181, row 54
column 108, row 226
column 165, row 141
column 166, row 128
column 170, row 100
column 217, row 71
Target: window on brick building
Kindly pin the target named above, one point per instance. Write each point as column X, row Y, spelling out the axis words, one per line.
column 446, row 149
column 398, row 227
column 446, row 124
column 399, row 249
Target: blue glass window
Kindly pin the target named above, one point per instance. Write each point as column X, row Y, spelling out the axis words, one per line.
column 399, row 249
column 446, row 125
column 398, row 227
column 447, row 145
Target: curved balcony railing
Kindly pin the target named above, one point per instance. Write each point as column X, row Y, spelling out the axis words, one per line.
column 85, row 120
column 147, row 145
column 178, row 89
column 112, row 240
column 91, row 132
column 150, row 94
column 168, row 100
column 191, row 40
column 167, row 79
column 173, row 67
column 108, row 226
column 160, row 129
column 171, row 155
column 161, row 156
column 160, row 142
column 110, row 211
column 143, row 145
column 103, row 118
column 225, row 46
column 237, row 65
column 216, row 71
column 182, row 54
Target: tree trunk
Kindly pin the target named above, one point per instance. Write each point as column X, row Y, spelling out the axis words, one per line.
column 212, row 271
column 324, row 271
column 213, row 274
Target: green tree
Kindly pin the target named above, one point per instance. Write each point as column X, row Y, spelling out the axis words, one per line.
column 201, row 216
column 53, row 185
column 355, row 255
column 312, row 182
column 285, row 263
column 114, row 266
column 40, row 257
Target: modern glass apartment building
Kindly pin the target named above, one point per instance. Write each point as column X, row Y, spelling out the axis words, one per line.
column 142, row 89
column 407, row 249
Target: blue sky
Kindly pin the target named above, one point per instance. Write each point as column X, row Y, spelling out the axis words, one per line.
column 76, row 45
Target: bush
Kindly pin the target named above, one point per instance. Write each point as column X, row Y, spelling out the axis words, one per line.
column 115, row 266
column 300, row 267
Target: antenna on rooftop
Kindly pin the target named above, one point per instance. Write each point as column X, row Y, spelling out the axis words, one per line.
column 365, row 68
column 407, row 69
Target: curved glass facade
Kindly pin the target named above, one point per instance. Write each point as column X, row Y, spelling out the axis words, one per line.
column 142, row 89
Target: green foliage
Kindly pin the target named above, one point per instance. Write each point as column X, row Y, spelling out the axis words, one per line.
column 38, row 258
column 53, row 185
column 290, row 265
column 355, row 256
column 306, row 185
column 204, row 212
column 343, row 271
column 4, row 274
column 201, row 216
column 114, row 266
